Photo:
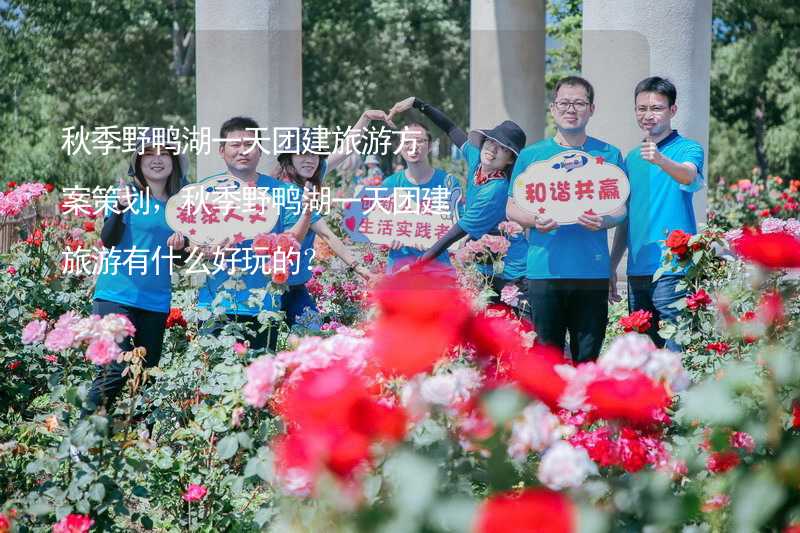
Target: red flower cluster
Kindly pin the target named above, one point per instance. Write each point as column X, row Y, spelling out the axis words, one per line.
column 770, row 250
column 333, row 419
column 283, row 248
column 632, row 449
column 175, row 318
column 35, row 238
column 699, row 300
column 529, row 511
column 796, row 414
column 638, row 321
column 73, row 523
column 678, row 243
column 719, row 462
column 720, row 347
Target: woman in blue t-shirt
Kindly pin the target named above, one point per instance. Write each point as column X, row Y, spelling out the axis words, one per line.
column 302, row 169
column 490, row 156
column 137, row 283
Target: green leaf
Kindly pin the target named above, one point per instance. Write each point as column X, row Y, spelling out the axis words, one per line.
column 710, row 402
column 503, row 405
column 97, row 492
column 414, row 480
column 227, row 447
column 755, row 499
column 146, row 522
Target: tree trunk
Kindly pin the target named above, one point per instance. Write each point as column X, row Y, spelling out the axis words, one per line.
column 759, row 127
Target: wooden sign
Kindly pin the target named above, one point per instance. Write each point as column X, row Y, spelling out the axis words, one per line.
column 569, row 184
column 381, row 216
column 220, row 208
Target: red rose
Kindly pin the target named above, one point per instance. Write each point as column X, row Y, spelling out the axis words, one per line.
column 534, row 371
column 175, row 318
column 40, row 314
column 698, row 300
column 11, row 185
column 49, row 187
column 638, row 321
column 88, row 226
column 719, row 462
column 770, row 250
column 796, row 415
column 678, row 243
column 280, row 277
column 421, row 308
column 530, row 511
column 634, row 397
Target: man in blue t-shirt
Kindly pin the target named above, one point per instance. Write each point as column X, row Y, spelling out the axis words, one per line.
column 241, row 156
column 568, row 267
column 665, row 171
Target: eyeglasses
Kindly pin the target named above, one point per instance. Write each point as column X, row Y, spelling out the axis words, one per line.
column 564, row 105
column 654, row 109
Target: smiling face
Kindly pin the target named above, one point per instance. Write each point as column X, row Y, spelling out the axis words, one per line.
column 240, row 151
column 305, row 164
column 653, row 113
column 156, row 164
column 415, row 145
column 571, row 109
column 495, row 156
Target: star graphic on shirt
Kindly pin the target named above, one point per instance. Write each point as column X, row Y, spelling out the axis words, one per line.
column 542, row 210
column 599, row 160
column 590, row 212
column 238, row 238
column 192, row 231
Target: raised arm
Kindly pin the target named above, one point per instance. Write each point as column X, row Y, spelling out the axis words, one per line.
column 341, row 151
column 442, row 121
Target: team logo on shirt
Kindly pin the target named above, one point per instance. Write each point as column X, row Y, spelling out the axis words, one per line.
column 571, row 162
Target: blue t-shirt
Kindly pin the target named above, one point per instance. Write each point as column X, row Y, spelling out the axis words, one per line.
column 408, row 254
column 570, row 251
column 235, row 301
column 485, row 209
column 658, row 204
column 290, row 217
column 140, row 279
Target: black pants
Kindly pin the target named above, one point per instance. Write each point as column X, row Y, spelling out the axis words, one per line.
column 150, row 327
column 577, row 306
column 257, row 339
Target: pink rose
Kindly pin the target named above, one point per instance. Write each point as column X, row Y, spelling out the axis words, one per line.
column 102, row 351
column 261, row 375
column 194, row 492
column 59, row 339
column 34, row 332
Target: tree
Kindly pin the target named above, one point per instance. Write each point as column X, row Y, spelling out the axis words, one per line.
column 90, row 63
column 755, row 98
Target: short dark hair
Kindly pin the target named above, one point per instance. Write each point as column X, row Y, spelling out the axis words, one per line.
column 573, row 81
column 656, row 84
column 236, row 124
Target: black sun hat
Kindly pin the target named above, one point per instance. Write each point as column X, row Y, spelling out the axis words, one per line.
column 507, row 134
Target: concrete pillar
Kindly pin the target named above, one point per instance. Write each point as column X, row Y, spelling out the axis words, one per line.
column 507, row 54
column 249, row 62
column 625, row 41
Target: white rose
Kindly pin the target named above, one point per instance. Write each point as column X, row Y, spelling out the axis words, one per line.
column 564, row 466
column 439, row 390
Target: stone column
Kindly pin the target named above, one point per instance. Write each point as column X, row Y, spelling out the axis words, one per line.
column 507, row 64
column 625, row 41
column 249, row 62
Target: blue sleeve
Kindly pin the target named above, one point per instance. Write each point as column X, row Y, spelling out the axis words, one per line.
column 486, row 210
column 472, row 154
column 693, row 153
column 519, row 167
